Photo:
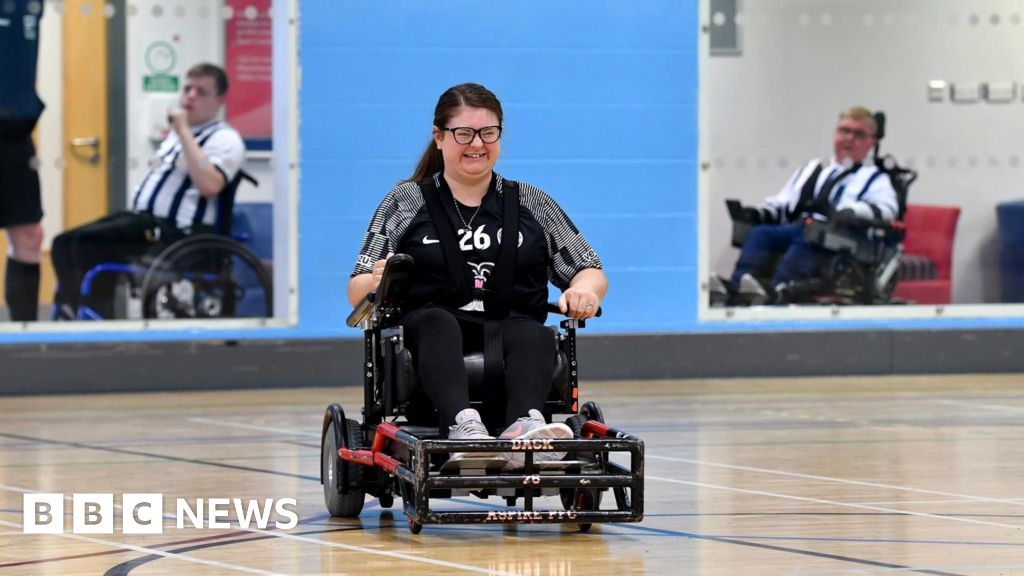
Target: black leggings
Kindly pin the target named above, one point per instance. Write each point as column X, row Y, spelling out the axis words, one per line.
column 438, row 337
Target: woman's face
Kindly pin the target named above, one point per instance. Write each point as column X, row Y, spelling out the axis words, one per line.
column 472, row 161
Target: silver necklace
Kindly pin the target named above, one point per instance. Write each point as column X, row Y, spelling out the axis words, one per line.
column 468, row 226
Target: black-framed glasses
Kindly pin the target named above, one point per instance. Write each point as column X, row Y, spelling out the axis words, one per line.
column 855, row 134
column 466, row 135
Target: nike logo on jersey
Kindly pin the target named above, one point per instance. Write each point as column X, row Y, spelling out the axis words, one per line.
column 428, row 240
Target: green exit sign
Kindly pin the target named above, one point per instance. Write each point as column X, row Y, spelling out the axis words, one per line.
column 159, row 83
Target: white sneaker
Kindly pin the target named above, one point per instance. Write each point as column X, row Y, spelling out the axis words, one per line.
column 752, row 291
column 534, row 426
column 718, row 291
column 469, row 426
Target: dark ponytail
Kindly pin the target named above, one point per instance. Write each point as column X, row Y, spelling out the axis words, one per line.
column 469, row 94
column 431, row 162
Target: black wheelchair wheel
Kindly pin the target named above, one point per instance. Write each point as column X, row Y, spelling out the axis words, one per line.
column 584, row 498
column 342, row 494
column 408, row 504
column 207, row 276
column 575, row 423
column 592, row 410
column 581, row 499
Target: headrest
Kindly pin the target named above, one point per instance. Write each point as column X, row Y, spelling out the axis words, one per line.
column 880, row 125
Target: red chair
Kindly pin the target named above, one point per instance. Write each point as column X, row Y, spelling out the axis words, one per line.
column 926, row 267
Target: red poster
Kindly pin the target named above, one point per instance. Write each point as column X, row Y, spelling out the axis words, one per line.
column 248, row 66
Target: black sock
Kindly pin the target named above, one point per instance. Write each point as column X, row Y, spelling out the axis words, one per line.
column 22, row 290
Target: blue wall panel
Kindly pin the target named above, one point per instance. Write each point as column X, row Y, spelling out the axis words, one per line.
column 600, row 112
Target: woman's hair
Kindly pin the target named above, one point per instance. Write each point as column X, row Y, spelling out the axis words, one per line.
column 469, row 94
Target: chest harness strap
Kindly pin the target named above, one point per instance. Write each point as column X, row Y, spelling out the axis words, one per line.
column 460, row 291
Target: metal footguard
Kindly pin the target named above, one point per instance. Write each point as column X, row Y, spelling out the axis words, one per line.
column 563, row 477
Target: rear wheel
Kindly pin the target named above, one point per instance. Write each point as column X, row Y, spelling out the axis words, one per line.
column 341, row 479
column 206, row 276
column 582, row 499
column 575, row 423
column 592, row 411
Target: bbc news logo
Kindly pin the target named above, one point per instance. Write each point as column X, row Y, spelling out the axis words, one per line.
column 144, row 513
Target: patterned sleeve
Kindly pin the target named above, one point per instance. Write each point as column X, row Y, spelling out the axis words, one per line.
column 377, row 241
column 569, row 250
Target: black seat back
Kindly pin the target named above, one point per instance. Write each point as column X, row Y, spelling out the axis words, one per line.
column 226, row 202
column 900, row 177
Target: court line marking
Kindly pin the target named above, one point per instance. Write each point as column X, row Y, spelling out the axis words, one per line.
column 972, row 567
column 398, row 555
column 936, row 501
column 993, row 407
column 285, row 535
column 791, row 550
column 143, row 549
column 252, row 427
column 834, row 479
column 835, row 503
column 49, row 442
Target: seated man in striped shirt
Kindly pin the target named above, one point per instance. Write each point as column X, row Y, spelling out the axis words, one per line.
column 840, row 189
column 178, row 196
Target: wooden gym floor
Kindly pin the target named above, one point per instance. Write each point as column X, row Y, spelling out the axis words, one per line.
column 754, row 477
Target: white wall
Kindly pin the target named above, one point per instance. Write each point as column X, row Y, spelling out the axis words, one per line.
column 195, row 30
column 774, row 107
column 50, row 131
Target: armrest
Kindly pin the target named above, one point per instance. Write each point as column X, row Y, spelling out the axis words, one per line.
column 857, row 238
column 742, row 221
column 394, row 285
column 362, row 312
column 736, row 211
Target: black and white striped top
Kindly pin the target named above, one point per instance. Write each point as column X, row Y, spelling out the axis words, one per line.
column 168, row 192
column 550, row 247
column 866, row 190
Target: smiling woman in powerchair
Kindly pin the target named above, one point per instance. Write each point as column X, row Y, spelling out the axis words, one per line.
column 472, row 287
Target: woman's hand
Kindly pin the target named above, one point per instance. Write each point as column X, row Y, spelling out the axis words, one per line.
column 579, row 303
column 583, row 296
column 378, row 271
column 362, row 284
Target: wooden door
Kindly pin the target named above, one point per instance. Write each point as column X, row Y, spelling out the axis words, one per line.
column 85, row 112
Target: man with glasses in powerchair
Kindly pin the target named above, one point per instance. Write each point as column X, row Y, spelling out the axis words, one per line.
column 198, row 158
column 840, row 190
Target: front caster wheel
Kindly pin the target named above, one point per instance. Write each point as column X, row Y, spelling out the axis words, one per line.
column 581, row 499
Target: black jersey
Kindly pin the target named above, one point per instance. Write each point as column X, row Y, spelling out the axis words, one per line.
column 549, row 247
column 19, row 43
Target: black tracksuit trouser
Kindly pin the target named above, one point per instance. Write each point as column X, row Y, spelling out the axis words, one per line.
column 438, row 338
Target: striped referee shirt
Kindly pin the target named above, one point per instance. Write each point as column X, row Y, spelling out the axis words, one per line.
column 168, row 192
column 549, row 247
